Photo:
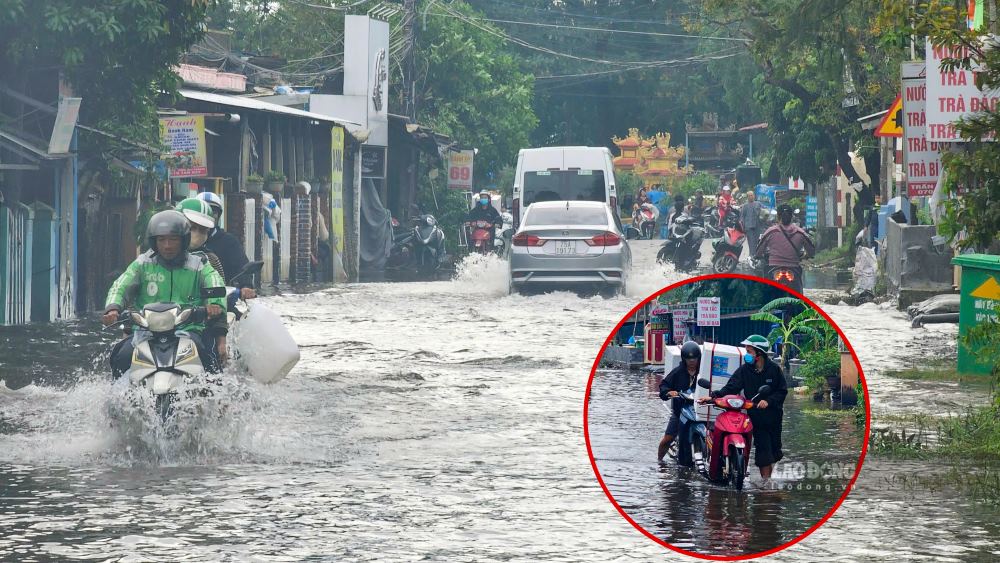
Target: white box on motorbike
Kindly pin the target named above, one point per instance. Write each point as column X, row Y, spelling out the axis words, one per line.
column 718, row 362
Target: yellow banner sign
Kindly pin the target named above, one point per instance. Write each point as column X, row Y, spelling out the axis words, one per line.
column 337, row 187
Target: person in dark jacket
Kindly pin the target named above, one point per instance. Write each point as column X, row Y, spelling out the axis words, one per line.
column 681, row 378
column 483, row 211
column 767, row 412
column 227, row 247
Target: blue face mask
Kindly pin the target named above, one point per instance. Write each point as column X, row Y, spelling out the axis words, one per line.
column 484, row 201
column 748, row 357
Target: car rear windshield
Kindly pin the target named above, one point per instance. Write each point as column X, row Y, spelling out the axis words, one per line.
column 564, row 185
column 563, row 216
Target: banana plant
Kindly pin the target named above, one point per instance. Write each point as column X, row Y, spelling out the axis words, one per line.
column 786, row 328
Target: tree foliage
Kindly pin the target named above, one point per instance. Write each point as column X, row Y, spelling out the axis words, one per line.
column 117, row 55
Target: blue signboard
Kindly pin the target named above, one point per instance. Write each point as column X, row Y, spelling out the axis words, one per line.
column 766, row 194
column 812, row 211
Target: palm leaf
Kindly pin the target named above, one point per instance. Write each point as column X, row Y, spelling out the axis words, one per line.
column 781, row 302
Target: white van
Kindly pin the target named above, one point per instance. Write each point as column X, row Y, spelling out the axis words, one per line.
column 563, row 174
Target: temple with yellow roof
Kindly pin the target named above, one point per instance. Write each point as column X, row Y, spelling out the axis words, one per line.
column 651, row 158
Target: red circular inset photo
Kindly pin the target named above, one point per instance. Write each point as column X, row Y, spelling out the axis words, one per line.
column 726, row 417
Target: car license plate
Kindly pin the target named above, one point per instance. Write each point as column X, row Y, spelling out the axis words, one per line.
column 565, row 247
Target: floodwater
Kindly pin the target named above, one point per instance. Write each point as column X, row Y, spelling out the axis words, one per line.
column 433, row 421
column 676, row 505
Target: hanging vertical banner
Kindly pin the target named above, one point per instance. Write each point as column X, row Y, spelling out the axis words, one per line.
column 337, row 186
column 185, row 137
column 812, row 211
column 921, row 157
column 952, row 95
column 460, row 169
column 65, row 125
column 680, row 318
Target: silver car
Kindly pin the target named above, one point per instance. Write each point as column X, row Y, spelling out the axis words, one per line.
column 563, row 243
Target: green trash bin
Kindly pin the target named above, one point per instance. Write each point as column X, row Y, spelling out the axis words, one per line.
column 980, row 298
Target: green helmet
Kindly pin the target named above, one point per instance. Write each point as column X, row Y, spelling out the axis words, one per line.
column 166, row 223
column 197, row 211
column 757, row 341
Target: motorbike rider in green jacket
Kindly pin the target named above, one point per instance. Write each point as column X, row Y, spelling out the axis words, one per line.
column 166, row 273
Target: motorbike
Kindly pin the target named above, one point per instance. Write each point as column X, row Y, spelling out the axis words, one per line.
column 682, row 246
column 721, row 453
column 164, row 359
column 727, row 250
column 481, row 236
column 503, row 233
column 422, row 245
column 644, row 219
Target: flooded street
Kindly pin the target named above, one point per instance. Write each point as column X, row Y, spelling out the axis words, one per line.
column 627, row 419
column 436, row 421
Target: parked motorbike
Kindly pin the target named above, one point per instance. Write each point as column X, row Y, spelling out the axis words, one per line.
column 720, row 453
column 164, row 359
column 682, row 246
column 727, row 250
column 422, row 246
column 503, row 234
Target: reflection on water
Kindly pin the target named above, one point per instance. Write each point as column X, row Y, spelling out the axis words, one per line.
column 626, row 420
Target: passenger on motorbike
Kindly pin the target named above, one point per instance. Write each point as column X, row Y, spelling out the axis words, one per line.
column 785, row 244
column 483, row 211
column 166, row 273
column 697, row 207
column 201, row 221
column 677, row 212
column 226, row 246
column 725, row 204
column 766, row 414
column 681, row 379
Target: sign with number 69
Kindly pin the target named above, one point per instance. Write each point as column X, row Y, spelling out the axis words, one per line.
column 460, row 170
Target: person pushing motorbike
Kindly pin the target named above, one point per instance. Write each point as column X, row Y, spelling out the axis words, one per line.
column 767, row 412
column 166, row 273
column 681, row 379
column 785, row 245
column 483, row 211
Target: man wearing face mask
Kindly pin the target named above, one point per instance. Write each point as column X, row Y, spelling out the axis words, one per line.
column 681, row 379
column 483, row 211
column 759, row 370
column 785, row 245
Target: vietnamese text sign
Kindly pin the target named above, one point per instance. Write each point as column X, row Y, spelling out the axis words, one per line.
column 62, row 131
column 185, row 137
column 373, row 164
column 921, row 157
column 812, row 211
column 952, row 95
column 709, row 311
column 337, row 186
column 460, row 169
column 681, row 316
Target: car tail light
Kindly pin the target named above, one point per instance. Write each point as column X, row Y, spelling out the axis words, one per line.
column 524, row 239
column 606, row 238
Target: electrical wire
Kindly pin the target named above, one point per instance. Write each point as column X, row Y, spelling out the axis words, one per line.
column 624, row 31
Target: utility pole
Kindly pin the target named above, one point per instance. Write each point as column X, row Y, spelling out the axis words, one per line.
column 409, row 80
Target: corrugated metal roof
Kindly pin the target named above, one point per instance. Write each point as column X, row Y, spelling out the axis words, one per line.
column 255, row 104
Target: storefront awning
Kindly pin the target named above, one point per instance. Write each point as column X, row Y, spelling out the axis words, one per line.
column 423, row 137
column 255, row 104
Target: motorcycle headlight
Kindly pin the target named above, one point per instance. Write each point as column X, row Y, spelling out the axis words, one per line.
column 430, row 221
column 735, row 403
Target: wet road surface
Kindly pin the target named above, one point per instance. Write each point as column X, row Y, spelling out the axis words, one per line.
column 436, row 421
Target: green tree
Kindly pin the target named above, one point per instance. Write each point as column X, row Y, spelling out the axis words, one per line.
column 118, row 55
column 788, row 326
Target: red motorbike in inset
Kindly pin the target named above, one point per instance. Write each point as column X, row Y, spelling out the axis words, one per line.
column 727, row 446
column 481, row 235
column 728, row 249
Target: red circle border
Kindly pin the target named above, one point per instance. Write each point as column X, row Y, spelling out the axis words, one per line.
column 857, row 469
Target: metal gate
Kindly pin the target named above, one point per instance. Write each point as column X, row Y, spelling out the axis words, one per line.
column 15, row 264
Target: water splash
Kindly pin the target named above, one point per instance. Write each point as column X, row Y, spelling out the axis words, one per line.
column 482, row 274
